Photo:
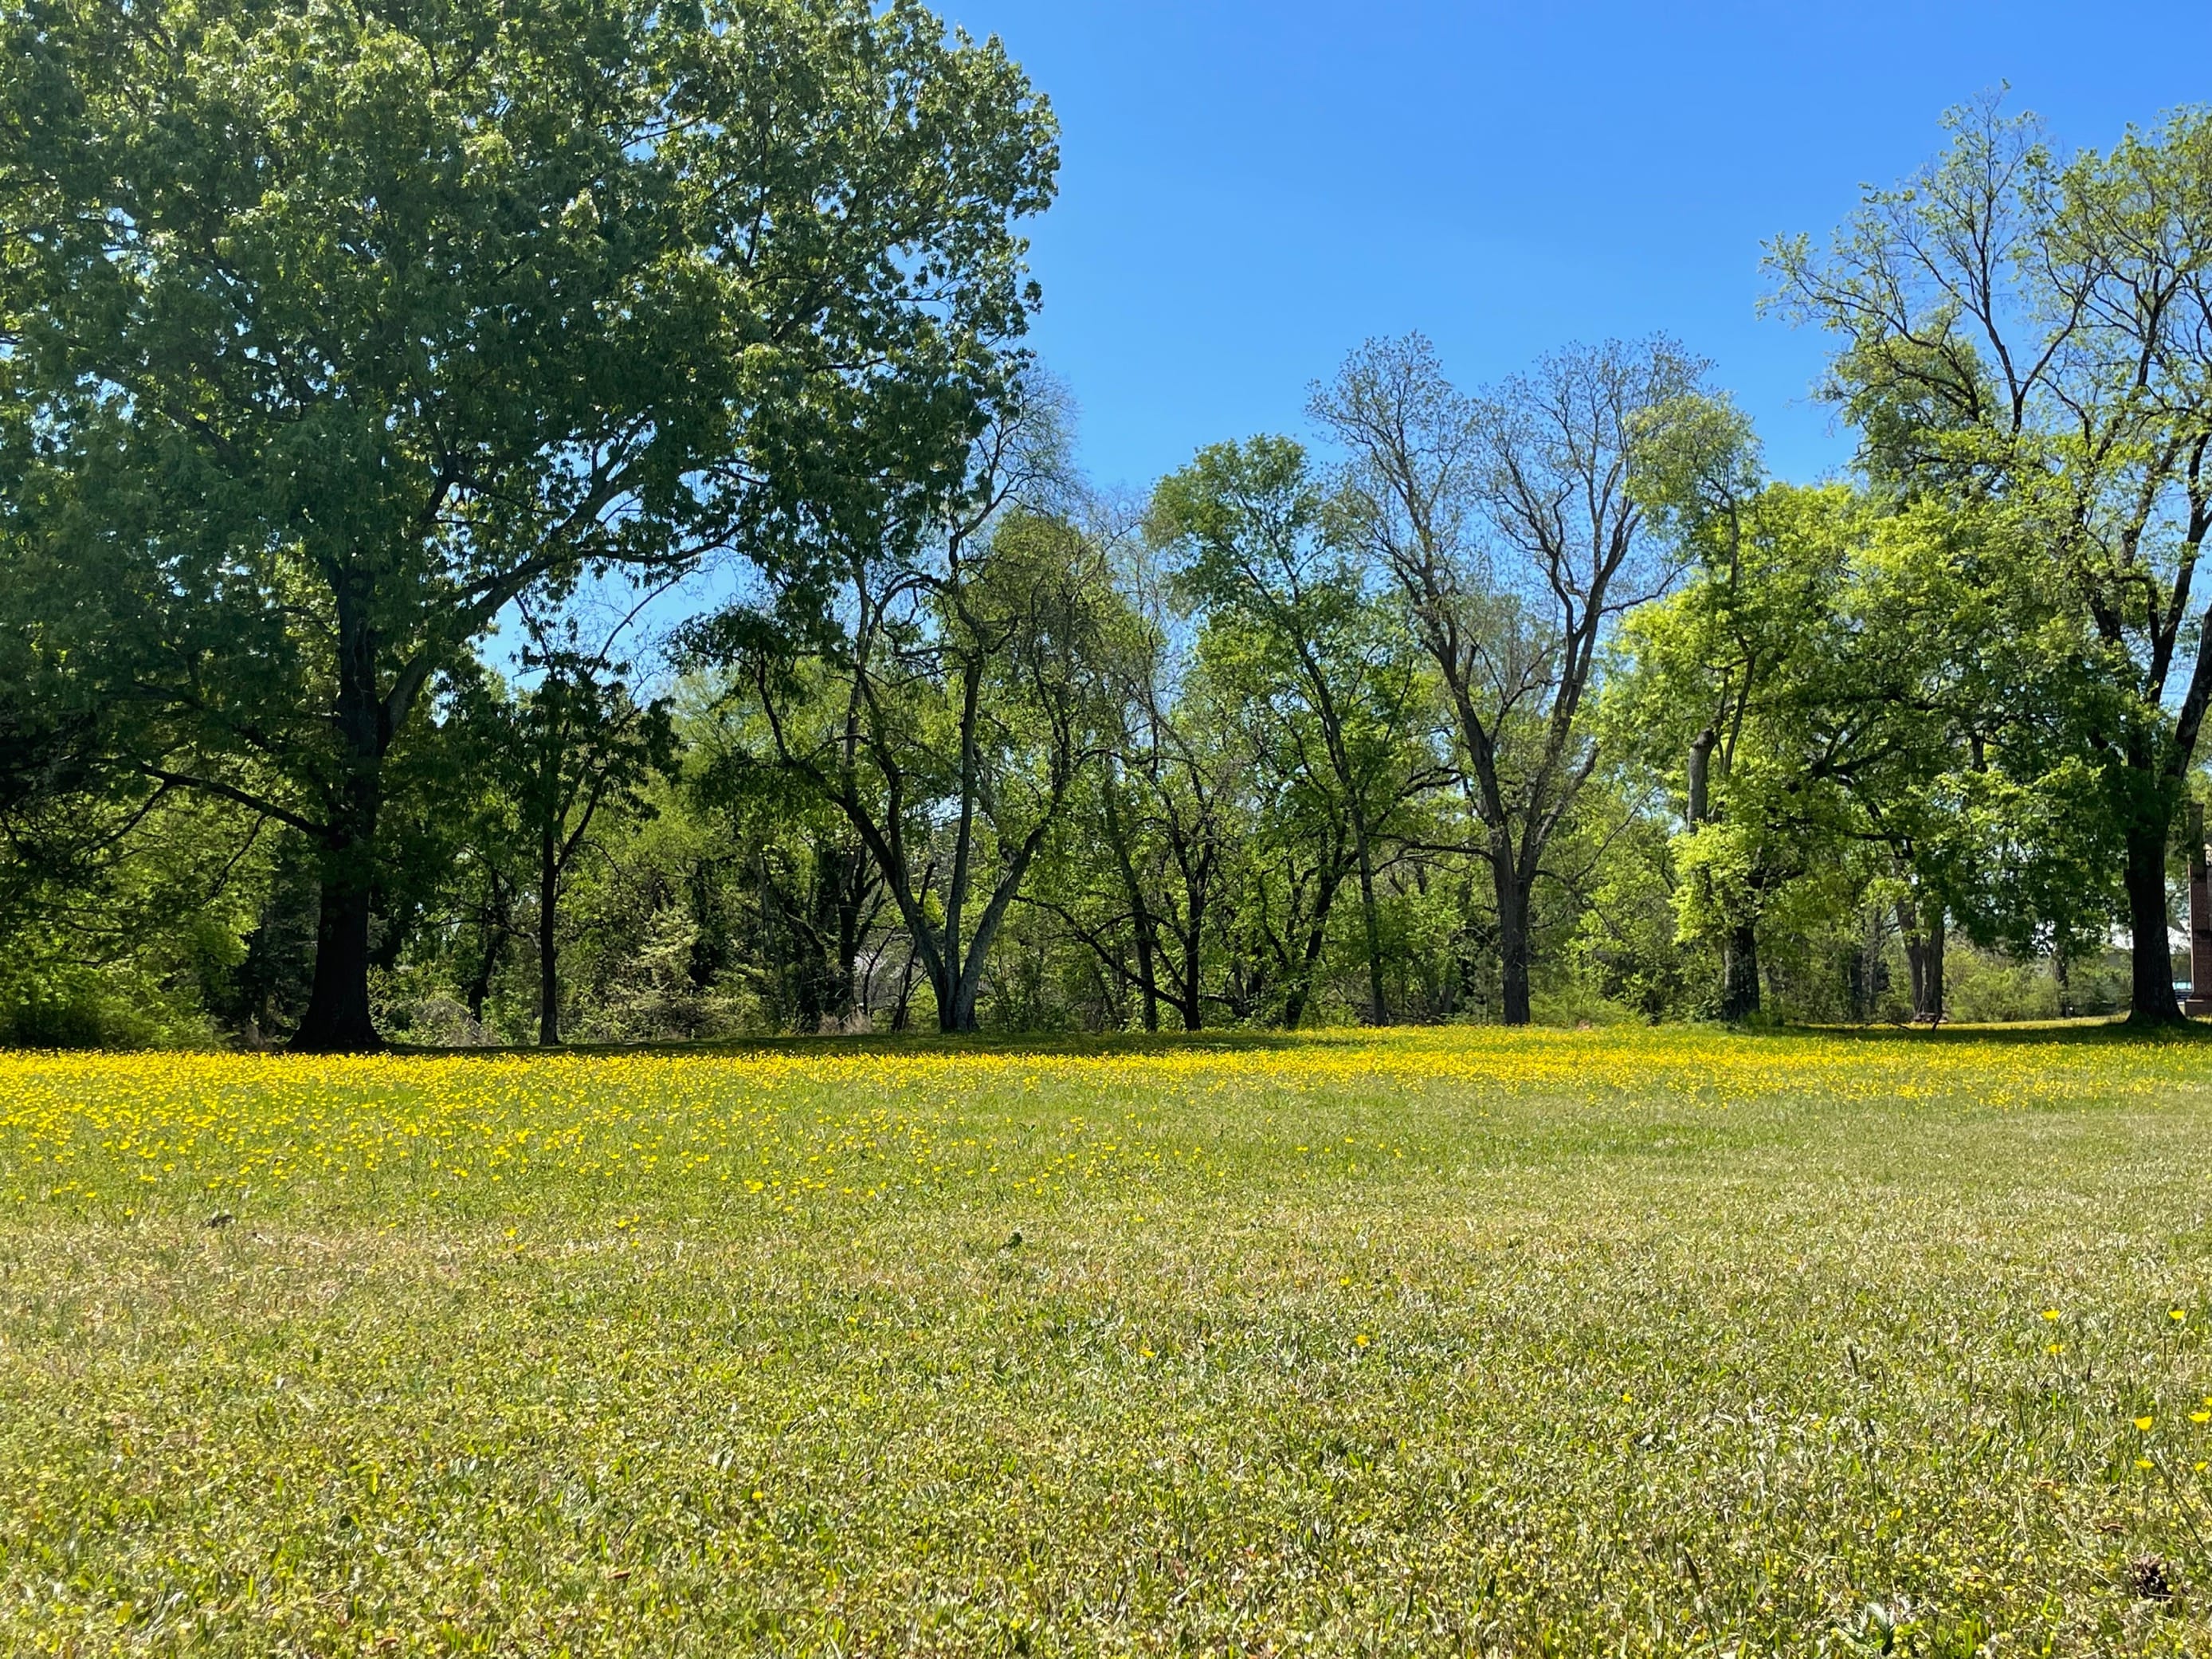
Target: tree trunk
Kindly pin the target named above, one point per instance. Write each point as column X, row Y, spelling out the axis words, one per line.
column 808, row 957
column 1937, row 933
column 901, row 1008
column 1193, row 970
column 956, row 1002
column 494, row 946
column 2151, row 955
column 1701, row 762
column 1147, row 983
column 1740, row 973
column 955, row 988
column 549, row 948
column 852, row 894
column 479, row 987
column 1378, row 1009
column 1140, row 914
column 1299, row 989
column 337, row 1020
column 1924, row 957
column 1513, row 952
column 1301, row 986
column 955, row 993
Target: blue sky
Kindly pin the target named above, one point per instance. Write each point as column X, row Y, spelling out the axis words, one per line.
column 1247, row 191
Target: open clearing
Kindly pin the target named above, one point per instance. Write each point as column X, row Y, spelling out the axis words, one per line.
column 1439, row 1341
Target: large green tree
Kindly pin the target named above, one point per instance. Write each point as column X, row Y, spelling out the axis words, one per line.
column 1168, row 800
column 923, row 657
column 1319, row 672
column 1509, row 528
column 1752, row 692
column 331, row 331
column 1834, row 697
column 2029, row 336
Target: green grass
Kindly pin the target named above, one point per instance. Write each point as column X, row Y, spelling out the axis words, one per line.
column 1438, row 1342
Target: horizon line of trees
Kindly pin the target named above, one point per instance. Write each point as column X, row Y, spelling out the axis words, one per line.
column 375, row 384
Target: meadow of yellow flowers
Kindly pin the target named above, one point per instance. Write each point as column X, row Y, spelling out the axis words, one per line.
column 1449, row 1341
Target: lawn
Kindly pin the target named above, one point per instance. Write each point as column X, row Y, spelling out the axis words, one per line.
column 1439, row 1341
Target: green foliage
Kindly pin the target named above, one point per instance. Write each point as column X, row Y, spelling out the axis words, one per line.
column 2021, row 341
column 1322, row 676
column 1511, row 530
column 330, row 339
column 121, row 923
column 938, row 684
column 342, row 330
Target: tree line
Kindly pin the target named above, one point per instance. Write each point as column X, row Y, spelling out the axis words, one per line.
column 381, row 389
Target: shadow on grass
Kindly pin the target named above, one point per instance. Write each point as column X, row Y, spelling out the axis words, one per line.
column 931, row 1043
column 2094, row 1032
column 2106, row 1032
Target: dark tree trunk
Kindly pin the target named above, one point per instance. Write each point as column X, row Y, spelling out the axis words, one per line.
column 1701, row 766
column 1867, row 978
column 1513, row 950
column 480, row 986
column 956, row 980
column 338, row 1019
column 548, row 946
column 852, row 895
column 1740, row 973
column 2151, row 955
column 1924, row 956
column 1915, row 956
column 1147, row 982
column 809, row 967
column 1378, row 1009
column 494, row 941
column 819, row 946
column 956, row 1003
column 1140, row 913
column 965, row 970
column 1300, row 987
column 903, row 1006
column 1193, row 970
column 1937, row 934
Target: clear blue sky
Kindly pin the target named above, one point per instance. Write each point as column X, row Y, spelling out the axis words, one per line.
column 1249, row 190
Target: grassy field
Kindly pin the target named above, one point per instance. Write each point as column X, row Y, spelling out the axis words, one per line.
column 1465, row 1342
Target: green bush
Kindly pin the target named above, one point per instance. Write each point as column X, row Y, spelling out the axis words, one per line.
column 70, row 1006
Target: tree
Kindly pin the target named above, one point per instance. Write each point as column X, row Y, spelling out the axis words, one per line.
column 925, row 661
column 1516, row 542
column 329, row 332
column 556, row 755
column 1322, row 672
column 2034, row 336
column 1737, row 688
column 808, row 897
column 1168, row 802
column 1829, row 742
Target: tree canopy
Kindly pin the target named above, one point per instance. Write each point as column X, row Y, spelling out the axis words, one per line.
column 332, row 332
column 542, row 523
